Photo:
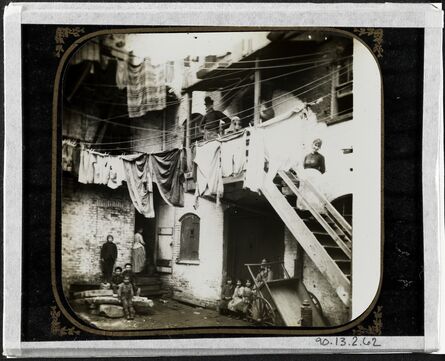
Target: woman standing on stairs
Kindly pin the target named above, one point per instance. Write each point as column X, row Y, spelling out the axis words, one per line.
column 138, row 252
column 315, row 160
column 314, row 168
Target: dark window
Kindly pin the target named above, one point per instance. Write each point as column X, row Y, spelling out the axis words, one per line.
column 342, row 84
column 189, row 250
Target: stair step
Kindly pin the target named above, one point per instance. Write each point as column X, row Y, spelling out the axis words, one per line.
column 325, row 240
column 345, row 266
column 337, row 254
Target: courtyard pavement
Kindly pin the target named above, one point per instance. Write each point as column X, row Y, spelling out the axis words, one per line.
column 166, row 314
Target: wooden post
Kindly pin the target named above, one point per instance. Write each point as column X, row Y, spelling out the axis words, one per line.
column 188, row 99
column 257, row 95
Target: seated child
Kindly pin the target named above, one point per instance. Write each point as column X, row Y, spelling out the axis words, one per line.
column 237, row 297
column 129, row 272
column 116, row 279
column 226, row 297
column 125, row 294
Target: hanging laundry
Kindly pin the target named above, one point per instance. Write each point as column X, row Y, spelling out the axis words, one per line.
column 280, row 143
column 86, row 166
column 102, row 170
column 76, row 161
column 208, row 171
column 233, row 154
column 139, row 182
column 121, row 74
column 146, row 90
column 117, row 172
column 168, row 173
column 67, row 155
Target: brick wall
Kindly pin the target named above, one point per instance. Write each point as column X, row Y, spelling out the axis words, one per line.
column 333, row 308
column 89, row 214
column 198, row 283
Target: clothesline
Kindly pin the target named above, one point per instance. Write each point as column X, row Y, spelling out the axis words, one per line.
column 280, row 96
column 242, row 86
column 157, row 130
column 240, row 69
column 197, row 127
column 310, row 103
column 138, row 170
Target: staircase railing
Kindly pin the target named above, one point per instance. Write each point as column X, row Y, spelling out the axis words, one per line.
column 332, row 233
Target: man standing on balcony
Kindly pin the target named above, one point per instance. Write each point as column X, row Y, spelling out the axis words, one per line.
column 213, row 121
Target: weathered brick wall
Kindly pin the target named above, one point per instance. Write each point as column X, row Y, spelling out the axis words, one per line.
column 333, row 308
column 89, row 214
column 198, row 283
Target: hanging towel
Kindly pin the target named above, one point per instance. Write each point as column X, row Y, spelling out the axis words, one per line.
column 117, row 172
column 208, row 170
column 168, row 173
column 233, row 155
column 86, row 166
column 121, row 74
column 139, row 182
column 146, row 90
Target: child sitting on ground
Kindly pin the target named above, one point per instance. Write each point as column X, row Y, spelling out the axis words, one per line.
column 116, row 279
column 125, row 294
column 129, row 272
column 226, row 297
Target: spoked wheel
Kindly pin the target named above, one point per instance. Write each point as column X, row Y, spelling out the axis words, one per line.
column 260, row 311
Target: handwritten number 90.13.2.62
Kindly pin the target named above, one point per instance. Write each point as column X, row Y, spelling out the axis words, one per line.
column 354, row 341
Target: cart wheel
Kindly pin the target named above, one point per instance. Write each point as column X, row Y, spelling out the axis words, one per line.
column 260, row 311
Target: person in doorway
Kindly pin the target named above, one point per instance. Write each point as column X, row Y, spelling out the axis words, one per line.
column 108, row 255
column 128, row 272
column 226, row 297
column 315, row 160
column 126, row 294
column 117, row 279
column 213, row 121
column 138, row 252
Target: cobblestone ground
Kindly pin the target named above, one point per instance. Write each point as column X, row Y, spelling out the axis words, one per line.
column 171, row 314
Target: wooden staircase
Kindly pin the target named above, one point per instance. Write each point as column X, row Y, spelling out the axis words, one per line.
column 325, row 236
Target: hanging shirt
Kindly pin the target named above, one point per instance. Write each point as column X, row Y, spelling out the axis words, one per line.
column 86, row 166
column 139, row 182
column 233, row 154
column 168, row 173
column 117, row 172
column 101, row 170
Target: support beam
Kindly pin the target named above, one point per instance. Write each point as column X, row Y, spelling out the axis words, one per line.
column 257, row 95
column 188, row 99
